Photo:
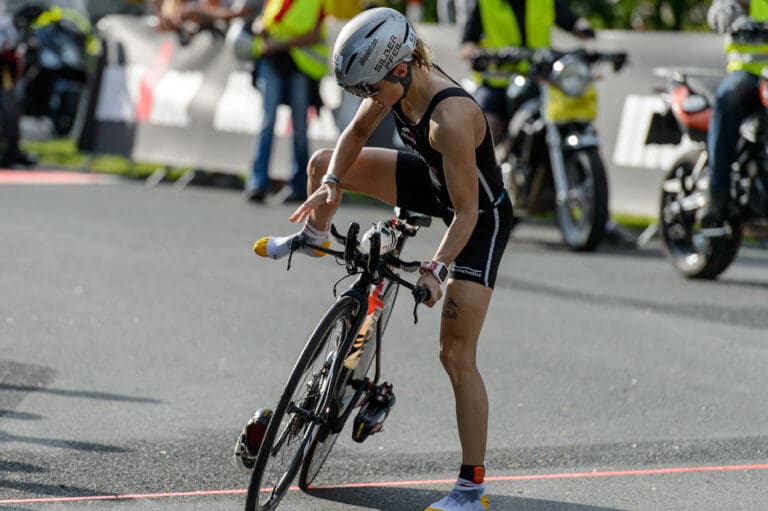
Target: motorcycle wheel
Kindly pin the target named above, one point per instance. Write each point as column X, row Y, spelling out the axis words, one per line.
column 9, row 127
column 584, row 213
column 63, row 112
column 692, row 255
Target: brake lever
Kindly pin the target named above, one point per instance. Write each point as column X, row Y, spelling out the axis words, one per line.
column 296, row 243
column 336, row 234
column 420, row 294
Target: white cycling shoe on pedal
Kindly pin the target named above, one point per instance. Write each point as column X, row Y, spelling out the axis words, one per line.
column 278, row 247
column 462, row 500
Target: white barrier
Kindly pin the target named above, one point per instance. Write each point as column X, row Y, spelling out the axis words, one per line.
column 195, row 105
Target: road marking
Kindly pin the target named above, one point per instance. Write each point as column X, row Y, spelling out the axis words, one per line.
column 391, row 484
column 53, row 177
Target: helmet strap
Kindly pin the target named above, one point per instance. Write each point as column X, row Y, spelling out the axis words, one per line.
column 404, row 81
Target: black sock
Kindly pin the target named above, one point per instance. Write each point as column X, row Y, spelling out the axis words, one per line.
column 474, row 473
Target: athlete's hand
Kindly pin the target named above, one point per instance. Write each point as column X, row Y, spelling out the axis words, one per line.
column 429, row 281
column 325, row 194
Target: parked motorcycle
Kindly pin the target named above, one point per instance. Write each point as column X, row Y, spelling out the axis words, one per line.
column 59, row 41
column 551, row 160
column 704, row 253
column 9, row 71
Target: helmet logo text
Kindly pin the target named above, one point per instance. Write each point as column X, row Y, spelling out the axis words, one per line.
column 389, row 54
column 368, row 52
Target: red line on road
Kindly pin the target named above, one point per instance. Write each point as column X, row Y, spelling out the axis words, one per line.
column 423, row 482
column 45, row 177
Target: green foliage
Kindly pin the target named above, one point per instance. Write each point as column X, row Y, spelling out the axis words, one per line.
column 615, row 14
column 644, row 14
column 63, row 153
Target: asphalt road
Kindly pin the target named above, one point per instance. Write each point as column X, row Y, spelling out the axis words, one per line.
column 138, row 333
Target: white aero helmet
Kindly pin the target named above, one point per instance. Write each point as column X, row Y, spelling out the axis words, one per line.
column 369, row 46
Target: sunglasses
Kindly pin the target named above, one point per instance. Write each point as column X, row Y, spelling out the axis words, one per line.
column 366, row 90
column 362, row 90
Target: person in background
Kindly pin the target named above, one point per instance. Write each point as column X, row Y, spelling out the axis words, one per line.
column 289, row 43
column 448, row 171
column 737, row 95
column 13, row 50
column 497, row 24
column 189, row 16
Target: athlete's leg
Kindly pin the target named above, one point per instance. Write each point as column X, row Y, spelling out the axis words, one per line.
column 465, row 305
column 372, row 174
column 464, row 309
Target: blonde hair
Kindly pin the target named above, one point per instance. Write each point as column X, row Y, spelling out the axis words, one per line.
column 422, row 54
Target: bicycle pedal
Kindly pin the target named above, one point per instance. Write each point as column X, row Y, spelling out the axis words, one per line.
column 370, row 419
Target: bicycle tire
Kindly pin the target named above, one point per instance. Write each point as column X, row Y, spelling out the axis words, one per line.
column 288, row 432
column 323, row 439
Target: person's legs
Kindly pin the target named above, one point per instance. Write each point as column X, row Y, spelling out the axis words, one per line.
column 298, row 84
column 270, row 83
column 464, row 308
column 465, row 305
column 736, row 98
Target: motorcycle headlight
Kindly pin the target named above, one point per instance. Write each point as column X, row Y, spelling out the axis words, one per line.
column 70, row 54
column 572, row 75
column 49, row 59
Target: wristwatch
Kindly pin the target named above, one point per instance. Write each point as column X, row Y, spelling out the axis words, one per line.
column 436, row 268
column 331, row 178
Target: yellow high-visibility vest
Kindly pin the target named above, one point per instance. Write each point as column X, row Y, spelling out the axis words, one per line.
column 286, row 19
column 501, row 30
column 56, row 13
column 748, row 57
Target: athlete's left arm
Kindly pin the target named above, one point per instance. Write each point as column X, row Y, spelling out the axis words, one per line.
column 456, row 129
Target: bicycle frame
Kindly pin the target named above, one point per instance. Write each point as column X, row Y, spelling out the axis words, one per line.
column 376, row 279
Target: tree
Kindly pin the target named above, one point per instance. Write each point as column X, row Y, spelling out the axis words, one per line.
column 644, row 14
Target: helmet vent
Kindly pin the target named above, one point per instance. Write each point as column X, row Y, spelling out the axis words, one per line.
column 349, row 64
column 374, row 29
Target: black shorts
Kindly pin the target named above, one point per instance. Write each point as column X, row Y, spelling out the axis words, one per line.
column 479, row 260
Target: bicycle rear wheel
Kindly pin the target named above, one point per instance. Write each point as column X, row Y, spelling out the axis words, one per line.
column 301, row 408
column 346, row 397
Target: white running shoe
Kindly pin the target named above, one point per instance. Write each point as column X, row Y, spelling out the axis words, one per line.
column 462, row 500
column 279, row 247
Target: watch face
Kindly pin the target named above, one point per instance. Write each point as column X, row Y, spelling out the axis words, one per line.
column 439, row 270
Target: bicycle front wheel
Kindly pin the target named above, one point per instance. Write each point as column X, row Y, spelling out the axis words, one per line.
column 301, row 408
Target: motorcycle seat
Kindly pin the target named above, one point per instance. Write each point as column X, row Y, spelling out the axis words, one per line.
column 705, row 86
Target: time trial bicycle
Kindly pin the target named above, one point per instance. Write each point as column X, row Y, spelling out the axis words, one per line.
column 339, row 368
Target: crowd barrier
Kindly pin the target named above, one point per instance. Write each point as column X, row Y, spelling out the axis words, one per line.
column 194, row 106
